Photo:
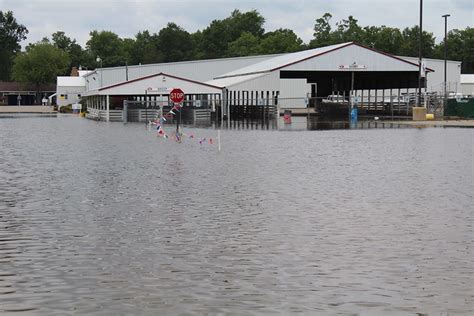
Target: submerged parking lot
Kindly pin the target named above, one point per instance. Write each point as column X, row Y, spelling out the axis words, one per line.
column 104, row 217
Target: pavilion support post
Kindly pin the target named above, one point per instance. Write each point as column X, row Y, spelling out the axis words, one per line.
column 408, row 103
column 398, row 101
column 125, row 111
column 383, row 102
column 376, row 99
column 368, row 101
column 391, row 103
column 107, row 103
column 222, row 106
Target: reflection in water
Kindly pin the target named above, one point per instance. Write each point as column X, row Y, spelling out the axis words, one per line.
column 301, row 123
column 99, row 218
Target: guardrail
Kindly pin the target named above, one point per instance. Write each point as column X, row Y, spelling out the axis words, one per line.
column 101, row 115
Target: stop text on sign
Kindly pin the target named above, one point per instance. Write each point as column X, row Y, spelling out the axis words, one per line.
column 177, row 95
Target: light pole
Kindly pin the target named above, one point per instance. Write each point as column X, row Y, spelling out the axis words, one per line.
column 420, row 53
column 99, row 60
column 445, row 58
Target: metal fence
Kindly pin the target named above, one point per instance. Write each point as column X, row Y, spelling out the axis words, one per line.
column 204, row 111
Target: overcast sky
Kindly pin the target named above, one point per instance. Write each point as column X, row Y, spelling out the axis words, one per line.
column 127, row 17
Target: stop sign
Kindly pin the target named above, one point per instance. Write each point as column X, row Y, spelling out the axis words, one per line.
column 177, row 95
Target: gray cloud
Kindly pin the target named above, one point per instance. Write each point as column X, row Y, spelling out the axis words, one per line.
column 128, row 17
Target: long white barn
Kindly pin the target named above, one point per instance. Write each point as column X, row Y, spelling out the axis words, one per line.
column 286, row 80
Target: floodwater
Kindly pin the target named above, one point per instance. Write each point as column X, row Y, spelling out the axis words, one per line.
column 107, row 219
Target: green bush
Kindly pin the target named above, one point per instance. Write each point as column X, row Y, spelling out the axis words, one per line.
column 66, row 109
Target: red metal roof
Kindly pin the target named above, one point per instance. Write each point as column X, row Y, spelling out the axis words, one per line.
column 13, row 86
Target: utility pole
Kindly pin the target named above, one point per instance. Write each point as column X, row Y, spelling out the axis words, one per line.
column 420, row 53
column 445, row 58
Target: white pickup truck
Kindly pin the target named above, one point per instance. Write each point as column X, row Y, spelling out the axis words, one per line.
column 335, row 98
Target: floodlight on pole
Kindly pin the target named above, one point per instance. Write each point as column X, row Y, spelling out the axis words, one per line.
column 99, row 60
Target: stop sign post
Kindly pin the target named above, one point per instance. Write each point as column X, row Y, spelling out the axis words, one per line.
column 177, row 96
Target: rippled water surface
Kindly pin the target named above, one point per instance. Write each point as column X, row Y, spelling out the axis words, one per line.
column 104, row 218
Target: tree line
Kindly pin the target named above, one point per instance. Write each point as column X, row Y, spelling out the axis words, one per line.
column 240, row 34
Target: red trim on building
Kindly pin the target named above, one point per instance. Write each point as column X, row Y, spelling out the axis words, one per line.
column 390, row 55
column 349, row 44
column 155, row 75
column 310, row 57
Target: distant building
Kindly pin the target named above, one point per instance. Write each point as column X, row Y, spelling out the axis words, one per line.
column 292, row 80
column 70, row 89
column 16, row 93
column 435, row 82
column 467, row 84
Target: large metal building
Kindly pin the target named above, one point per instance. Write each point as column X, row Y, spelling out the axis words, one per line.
column 293, row 80
column 467, row 85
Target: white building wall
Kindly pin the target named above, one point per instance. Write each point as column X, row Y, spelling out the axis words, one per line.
column 467, row 89
column 352, row 54
column 200, row 70
column 435, row 81
column 293, row 93
column 259, row 90
column 68, row 95
column 267, row 82
column 161, row 85
column 467, row 84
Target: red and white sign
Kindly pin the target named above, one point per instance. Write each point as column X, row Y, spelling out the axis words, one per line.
column 177, row 95
column 352, row 66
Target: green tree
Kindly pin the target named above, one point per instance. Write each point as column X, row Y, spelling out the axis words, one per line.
column 108, row 46
column 280, row 41
column 386, row 39
column 250, row 22
column 11, row 34
column 197, row 39
column 322, row 32
column 348, row 31
column 61, row 41
column 174, row 43
column 145, row 49
column 41, row 63
column 460, row 47
column 215, row 39
column 411, row 39
column 246, row 45
column 70, row 46
column 128, row 47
